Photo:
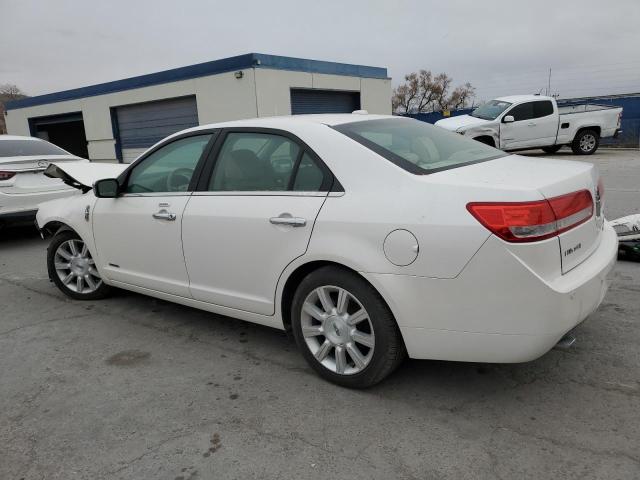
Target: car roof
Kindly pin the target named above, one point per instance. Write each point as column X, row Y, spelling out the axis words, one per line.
column 19, row 137
column 522, row 98
column 289, row 121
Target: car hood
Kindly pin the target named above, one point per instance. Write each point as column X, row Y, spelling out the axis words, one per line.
column 82, row 175
column 460, row 121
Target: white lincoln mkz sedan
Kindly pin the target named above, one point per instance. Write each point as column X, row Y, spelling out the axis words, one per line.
column 368, row 237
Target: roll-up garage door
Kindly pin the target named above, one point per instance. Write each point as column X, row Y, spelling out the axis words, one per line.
column 143, row 124
column 323, row 101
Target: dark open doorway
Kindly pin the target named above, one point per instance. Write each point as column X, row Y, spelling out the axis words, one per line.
column 65, row 131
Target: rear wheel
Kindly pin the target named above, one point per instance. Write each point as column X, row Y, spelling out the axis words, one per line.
column 72, row 269
column 552, row 148
column 586, row 142
column 344, row 328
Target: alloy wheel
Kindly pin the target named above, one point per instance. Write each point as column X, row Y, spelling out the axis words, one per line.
column 587, row 142
column 337, row 330
column 76, row 268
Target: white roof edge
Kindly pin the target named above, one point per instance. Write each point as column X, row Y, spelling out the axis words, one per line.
column 522, row 98
column 19, row 137
column 291, row 120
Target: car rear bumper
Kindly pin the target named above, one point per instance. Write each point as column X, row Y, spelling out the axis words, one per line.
column 18, row 216
column 17, row 204
column 497, row 309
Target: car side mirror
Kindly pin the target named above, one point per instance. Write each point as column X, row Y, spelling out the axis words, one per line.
column 508, row 119
column 106, row 188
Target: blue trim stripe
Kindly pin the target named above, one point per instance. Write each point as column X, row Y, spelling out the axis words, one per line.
column 230, row 64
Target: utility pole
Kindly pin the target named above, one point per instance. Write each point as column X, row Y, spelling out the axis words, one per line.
column 549, row 83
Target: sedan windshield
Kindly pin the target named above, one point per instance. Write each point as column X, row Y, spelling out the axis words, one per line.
column 490, row 110
column 27, row 148
column 416, row 146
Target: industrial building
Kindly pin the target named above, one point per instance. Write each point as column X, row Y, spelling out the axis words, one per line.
column 118, row 120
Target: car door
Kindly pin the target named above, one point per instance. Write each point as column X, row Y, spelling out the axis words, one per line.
column 251, row 216
column 517, row 134
column 534, row 125
column 545, row 123
column 138, row 233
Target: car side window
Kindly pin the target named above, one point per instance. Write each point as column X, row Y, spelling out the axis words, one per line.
column 252, row 161
column 309, row 177
column 524, row 111
column 542, row 108
column 168, row 169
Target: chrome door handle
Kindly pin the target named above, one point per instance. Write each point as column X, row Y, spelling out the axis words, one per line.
column 164, row 215
column 286, row 219
column 531, row 124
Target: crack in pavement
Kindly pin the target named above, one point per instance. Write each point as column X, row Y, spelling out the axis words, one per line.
column 21, row 327
column 614, row 453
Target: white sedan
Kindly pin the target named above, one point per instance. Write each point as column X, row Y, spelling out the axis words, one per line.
column 22, row 183
column 368, row 237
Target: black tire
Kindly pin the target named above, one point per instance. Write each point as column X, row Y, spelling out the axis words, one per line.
column 486, row 140
column 552, row 148
column 586, row 142
column 388, row 351
column 102, row 290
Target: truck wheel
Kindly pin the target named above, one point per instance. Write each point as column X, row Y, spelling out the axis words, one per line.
column 486, row 140
column 586, row 142
column 552, row 148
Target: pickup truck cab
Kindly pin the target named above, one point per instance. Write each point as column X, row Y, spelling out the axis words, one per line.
column 521, row 122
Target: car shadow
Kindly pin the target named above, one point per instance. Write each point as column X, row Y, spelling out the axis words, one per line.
column 12, row 235
column 461, row 381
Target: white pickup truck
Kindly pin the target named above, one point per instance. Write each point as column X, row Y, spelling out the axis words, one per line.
column 522, row 122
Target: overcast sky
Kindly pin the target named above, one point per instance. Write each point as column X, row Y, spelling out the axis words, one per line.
column 500, row 46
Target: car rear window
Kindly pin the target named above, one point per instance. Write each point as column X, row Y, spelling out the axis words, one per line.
column 418, row 147
column 27, row 148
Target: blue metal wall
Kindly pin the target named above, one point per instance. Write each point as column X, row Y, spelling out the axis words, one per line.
column 630, row 136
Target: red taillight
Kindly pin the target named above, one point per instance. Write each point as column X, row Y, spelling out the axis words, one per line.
column 6, row 175
column 533, row 221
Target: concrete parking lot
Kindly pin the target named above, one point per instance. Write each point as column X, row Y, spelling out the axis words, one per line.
column 133, row 387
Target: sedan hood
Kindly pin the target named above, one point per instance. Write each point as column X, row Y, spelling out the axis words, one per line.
column 82, row 175
column 460, row 121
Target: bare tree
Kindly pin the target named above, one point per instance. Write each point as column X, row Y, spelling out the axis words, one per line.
column 8, row 92
column 405, row 95
column 11, row 92
column 425, row 92
column 461, row 96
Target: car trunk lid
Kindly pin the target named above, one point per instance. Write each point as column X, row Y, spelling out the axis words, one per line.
column 26, row 173
column 549, row 179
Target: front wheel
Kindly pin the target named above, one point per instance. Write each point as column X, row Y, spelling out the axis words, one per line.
column 551, row 148
column 344, row 329
column 586, row 142
column 72, row 269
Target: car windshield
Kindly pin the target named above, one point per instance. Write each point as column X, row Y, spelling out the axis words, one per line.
column 416, row 146
column 490, row 110
column 26, row 148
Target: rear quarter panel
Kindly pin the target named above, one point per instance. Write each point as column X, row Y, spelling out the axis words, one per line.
column 606, row 120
